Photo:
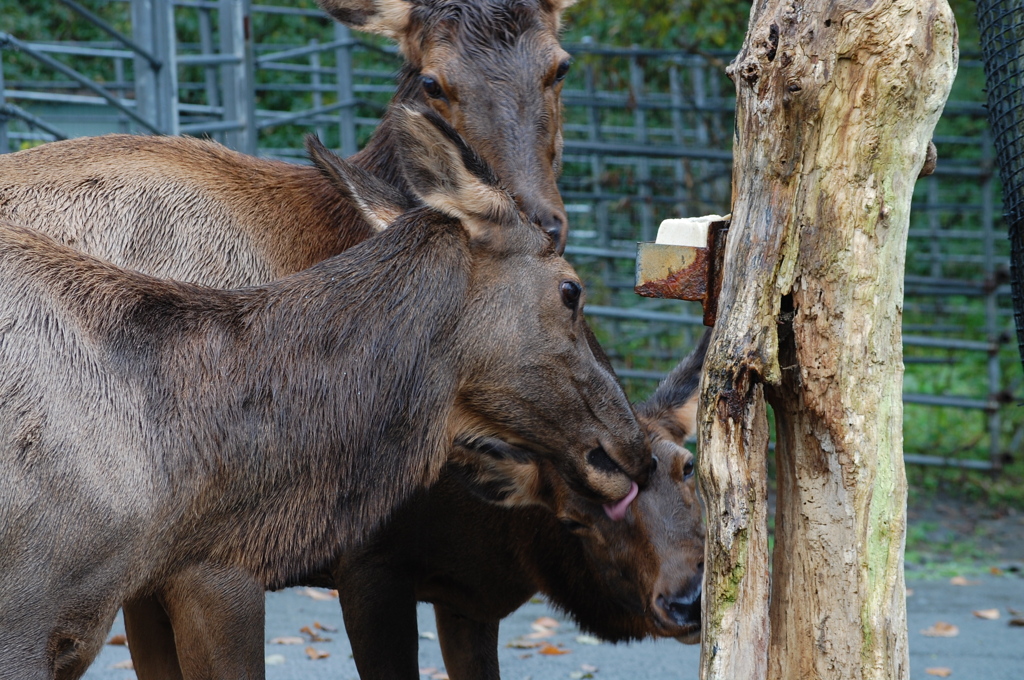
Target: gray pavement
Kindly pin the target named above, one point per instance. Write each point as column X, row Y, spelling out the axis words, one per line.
column 982, row 650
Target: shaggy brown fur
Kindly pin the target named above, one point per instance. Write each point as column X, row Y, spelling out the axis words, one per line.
column 476, row 563
column 150, row 429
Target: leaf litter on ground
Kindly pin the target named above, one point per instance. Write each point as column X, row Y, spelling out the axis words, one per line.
column 549, row 649
column 288, row 640
column 941, row 629
column 318, row 594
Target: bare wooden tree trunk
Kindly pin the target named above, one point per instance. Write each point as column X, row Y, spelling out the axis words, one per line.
column 836, row 103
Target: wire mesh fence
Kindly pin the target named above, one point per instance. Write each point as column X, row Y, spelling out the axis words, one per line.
column 647, row 136
column 1001, row 24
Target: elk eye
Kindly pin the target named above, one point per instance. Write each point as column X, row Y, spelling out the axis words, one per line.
column 563, row 70
column 570, row 294
column 432, row 87
column 688, row 469
column 572, row 525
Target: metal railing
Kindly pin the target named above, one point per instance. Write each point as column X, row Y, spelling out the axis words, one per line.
column 647, row 136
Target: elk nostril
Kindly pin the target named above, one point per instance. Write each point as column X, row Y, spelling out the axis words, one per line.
column 683, row 611
column 599, row 458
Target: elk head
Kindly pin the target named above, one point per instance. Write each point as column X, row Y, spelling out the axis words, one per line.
column 493, row 70
column 642, row 575
column 531, row 385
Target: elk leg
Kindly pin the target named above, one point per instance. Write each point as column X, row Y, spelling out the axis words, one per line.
column 379, row 607
column 470, row 648
column 217, row 615
column 151, row 640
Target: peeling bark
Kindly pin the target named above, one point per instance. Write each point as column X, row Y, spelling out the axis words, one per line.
column 836, row 103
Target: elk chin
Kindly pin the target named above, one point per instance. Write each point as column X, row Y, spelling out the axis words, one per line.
column 692, row 638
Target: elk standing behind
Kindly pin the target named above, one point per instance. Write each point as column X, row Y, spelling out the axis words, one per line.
column 150, row 429
column 195, row 211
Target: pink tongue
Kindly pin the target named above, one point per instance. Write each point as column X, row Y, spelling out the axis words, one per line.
column 617, row 511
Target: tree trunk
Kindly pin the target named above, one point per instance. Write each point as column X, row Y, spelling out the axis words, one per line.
column 836, row 103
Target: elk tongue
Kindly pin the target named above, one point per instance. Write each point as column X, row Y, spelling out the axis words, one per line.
column 617, row 511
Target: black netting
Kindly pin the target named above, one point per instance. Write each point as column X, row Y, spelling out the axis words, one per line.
column 1002, row 44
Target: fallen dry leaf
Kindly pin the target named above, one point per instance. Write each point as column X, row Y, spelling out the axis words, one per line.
column 317, row 594
column 546, row 622
column 275, row 660
column 324, row 626
column 428, row 671
column 288, row 640
column 1014, row 612
column 995, row 571
column 117, row 640
column 313, row 635
column 987, row 614
column 587, row 668
column 1017, row 622
column 910, row 592
column 315, row 654
column 125, row 665
column 961, row 581
column 427, row 635
column 520, row 643
column 941, row 671
column 540, row 634
column 941, row 629
column 439, row 676
column 550, row 650
column 587, row 640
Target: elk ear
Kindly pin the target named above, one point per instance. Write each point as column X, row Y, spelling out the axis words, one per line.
column 383, row 17
column 560, row 6
column 505, row 476
column 672, row 410
column 447, row 175
column 379, row 203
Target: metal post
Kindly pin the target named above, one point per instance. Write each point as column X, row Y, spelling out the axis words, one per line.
column 210, row 71
column 991, row 302
column 146, row 103
column 346, row 91
column 237, row 76
column 119, row 77
column 165, row 45
column 4, row 142
column 156, row 87
column 681, row 189
column 643, row 165
column 315, row 82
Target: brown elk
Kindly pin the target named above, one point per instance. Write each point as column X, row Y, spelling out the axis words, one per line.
column 177, row 207
column 152, row 430
column 477, row 562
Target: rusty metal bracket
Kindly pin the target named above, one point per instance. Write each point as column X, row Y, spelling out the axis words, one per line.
column 684, row 272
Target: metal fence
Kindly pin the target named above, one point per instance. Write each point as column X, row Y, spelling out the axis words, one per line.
column 647, row 136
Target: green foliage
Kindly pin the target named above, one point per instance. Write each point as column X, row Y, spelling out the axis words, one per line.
column 680, row 24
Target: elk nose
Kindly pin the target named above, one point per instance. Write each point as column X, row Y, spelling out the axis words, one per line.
column 555, row 224
column 683, row 609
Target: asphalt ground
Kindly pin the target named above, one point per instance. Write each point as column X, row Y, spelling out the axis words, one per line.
column 981, row 649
